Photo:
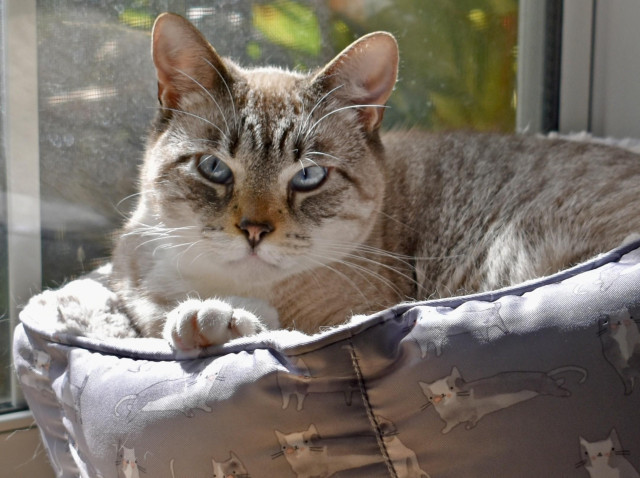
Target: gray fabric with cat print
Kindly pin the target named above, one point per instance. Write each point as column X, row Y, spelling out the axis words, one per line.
column 537, row 380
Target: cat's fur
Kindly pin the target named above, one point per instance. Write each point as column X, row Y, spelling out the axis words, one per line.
column 401, row 215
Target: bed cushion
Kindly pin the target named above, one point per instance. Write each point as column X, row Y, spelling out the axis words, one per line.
column 542, row 379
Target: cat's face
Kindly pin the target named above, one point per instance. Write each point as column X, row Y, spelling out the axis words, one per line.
column 42, row 361
column 443, row 391
column 264, row 172
column 599, row 453
column 299, row 444
column 232, row 467
column 619, row 323
column 129, row 463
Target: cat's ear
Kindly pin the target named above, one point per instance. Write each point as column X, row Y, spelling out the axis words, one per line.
column 184, row 59
column 281, row 436
column 364, row 74
column 613, row 435
column 313, row 431
column 455, row 373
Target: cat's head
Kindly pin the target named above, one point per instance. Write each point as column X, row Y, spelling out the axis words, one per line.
column 601, row 452
column 128, row 462
column 230, row 467
column 297, row 443
column 263, row 171
column 442, row 391
column 42, row 361
column 621, row 320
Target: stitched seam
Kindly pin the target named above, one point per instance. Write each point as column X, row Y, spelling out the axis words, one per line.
column 369, row 409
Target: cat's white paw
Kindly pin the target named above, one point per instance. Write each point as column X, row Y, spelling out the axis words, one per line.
column 195, row 324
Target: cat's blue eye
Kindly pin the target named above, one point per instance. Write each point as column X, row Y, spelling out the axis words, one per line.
column 308, row 179
column 214, row 169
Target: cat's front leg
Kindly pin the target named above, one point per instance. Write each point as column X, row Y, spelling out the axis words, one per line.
column 196, row 324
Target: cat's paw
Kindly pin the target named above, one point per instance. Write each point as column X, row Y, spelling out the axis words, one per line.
column 196, row 324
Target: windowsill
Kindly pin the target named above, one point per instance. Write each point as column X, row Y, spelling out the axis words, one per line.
column 21, row 451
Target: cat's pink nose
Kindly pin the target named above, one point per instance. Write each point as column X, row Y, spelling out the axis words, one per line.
column 254, row 231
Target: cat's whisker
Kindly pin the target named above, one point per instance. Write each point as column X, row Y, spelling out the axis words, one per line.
column 361, row 271
column 357, row 251
column 210, row 96
column 344, row 276
column 378, row 276
column 405, row 259
column 307, row 159
column 124, row 199
column 277, row 454
column 226, row 85
column 149, row 241
column 210, row 123
column 425, row 406
column 318, row 103
column 580, row 464
column 409, row 278
column 338, row 110
column 397, row 221
column 319, row 153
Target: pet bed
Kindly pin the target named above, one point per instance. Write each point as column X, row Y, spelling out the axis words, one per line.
column 542, row 379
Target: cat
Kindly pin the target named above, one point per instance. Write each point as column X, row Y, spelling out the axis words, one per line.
column 185, row 394
column 606, row 458
column 128, row 463
column 232, row 467
column 404, row 460
column 309, row 459
column 477, row 318
column 38, row 377
column 458, row 401
column 278, row 187
column 619, row 333
column 302, row 384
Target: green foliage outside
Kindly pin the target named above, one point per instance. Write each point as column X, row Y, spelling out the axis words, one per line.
column 458, row 58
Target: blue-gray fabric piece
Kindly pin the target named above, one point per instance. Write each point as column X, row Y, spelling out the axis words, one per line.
column 531, row 371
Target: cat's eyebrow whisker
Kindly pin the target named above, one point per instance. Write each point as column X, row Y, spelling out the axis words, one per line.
column 318, row 103
column 175, row 110
column 338, row 110
column 226, row 85
column 310, row 160
column 208, row 94
column 324, row 154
